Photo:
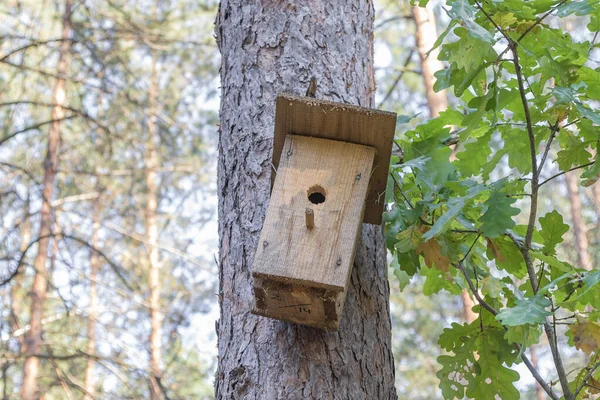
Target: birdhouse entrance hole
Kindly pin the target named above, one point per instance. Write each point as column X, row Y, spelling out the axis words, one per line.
column 316, row 194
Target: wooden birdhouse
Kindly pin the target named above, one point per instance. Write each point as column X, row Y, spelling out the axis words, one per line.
column 331, row 164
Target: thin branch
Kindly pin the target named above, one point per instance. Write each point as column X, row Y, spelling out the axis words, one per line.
column 564, row 172
column 494, row 312
column 586, row 379
column 32, row 127
column 554, row 129
column 75, row 198
column 398, row 78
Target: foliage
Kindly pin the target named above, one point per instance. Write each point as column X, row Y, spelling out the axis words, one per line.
column 527, row 94
column 103, row 146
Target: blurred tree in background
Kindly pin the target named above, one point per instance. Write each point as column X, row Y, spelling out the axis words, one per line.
column 117, row 94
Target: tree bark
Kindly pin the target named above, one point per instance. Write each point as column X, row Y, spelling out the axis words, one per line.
column 580, row 231
column 426, row 35
column 265, row 50
column 152, row 163
column 88, row 380
column 33, row 341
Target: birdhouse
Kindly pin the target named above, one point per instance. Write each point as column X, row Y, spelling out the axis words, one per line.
column 331, row 163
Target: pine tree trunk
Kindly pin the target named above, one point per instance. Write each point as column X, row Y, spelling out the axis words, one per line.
column 268, row 49
column 33, row 341
column 88, row 380
column 152, row 162
column 426, row 35
column 580, row 231
column 16, row 306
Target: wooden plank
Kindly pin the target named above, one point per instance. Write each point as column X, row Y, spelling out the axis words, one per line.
column 320, row 257
column 298, row 304
column 318, row 118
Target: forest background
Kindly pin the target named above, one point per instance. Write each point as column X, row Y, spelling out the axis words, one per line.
column 126, row 294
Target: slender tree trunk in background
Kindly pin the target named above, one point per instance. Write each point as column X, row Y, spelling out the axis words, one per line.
column 16, row 306
column 580, row 231
column 266, row 50
column 468, row 304
column 539, row 391
column 152, row 163
column 88, row 381
column 426, row 35
column 33, row 341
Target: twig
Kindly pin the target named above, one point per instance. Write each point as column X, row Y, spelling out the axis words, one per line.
column 494, row 312
column 587, row 377
column 564, row 172
column 554, row 129
column 398, row 78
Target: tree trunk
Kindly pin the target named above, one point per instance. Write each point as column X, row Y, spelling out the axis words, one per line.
column 580, row 231
column 33, row 341
column 539, row 390
column 152, row 163
column 16, row 305
column 266, row 50
column 88, row 381
column 426, row 35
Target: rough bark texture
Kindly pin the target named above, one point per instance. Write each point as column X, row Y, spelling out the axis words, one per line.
column 89, row 382
column 152, row 162
column 33, row 341
column 270, row 47
column 426, row 35
column 580, row 231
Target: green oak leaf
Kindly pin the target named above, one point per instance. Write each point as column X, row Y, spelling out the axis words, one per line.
column 493, row 379
column 498, row 216
column 408, row 239
column 553, row 229
column 574, row 151
column 524, row 335
column 531, row 310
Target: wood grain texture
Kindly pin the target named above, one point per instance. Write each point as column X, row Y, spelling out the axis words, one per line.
column 301, row 305
column 322, row 256
column 329, row 120
column 301, row 273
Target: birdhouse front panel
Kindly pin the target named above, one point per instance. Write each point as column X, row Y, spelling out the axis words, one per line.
column 312, row 225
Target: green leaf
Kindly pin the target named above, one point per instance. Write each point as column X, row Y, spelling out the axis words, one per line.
column 524, row 335
column 442, row 36
column 574, row 151
column 403, row 277
column 592, row 174
column 404, row 119
column 553, row 229
column 516, row 144
column 552, row 261
column 507, row 255
column 408, row 239
column 443, row 223
column 474, row 156
column 580, row 8
column 531, row 310
column 498, row 217
column 464, row 12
